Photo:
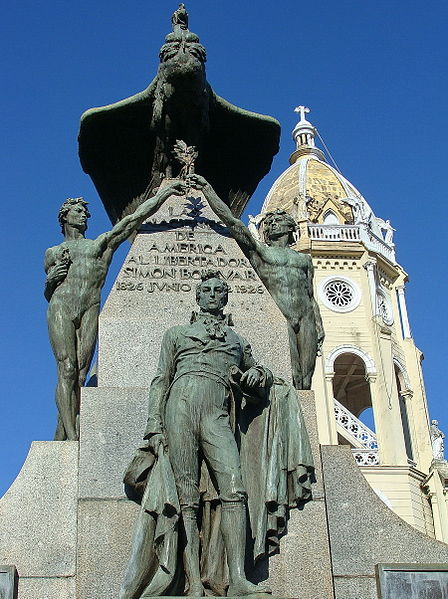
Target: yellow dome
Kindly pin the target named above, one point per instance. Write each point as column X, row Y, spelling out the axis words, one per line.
column 311, row 191
column 316, row 181
column 310, row 188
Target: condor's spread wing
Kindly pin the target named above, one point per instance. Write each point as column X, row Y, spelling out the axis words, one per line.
column 239, row 151
column 116, row 148
column 117, row 145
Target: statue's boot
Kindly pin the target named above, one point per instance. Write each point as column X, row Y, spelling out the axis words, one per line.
column 191, row 553
column 233, row 529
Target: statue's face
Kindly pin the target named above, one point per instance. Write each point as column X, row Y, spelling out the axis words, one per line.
column 277, row 226
column 77, row 217
column 212, row 296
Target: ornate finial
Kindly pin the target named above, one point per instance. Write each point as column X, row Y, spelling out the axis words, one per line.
column 302, row 110
column 304, row 131
column 179, row 18
column 304, row 134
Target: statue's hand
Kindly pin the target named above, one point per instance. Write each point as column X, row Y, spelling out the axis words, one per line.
column 177, row 188
column 251, row 378
column 196, row 182
column 57, row 273
column 155, row 441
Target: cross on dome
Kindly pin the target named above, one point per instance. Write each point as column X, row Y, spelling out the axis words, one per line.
column 302, row 110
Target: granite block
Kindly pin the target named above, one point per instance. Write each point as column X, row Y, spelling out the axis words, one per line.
column 104, row 543
column 112, row 425
column 363, row 530
column 303, row 566
column 47, row 588
column 38, row 512
column 355, row 587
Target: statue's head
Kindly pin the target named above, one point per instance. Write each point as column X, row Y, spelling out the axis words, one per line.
column 74, row 212
column 181, row 55
column 212, row 293
column 278, row 223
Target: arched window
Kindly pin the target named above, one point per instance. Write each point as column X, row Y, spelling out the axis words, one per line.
column 403, row 390
column 350, row 386
column 330, row 218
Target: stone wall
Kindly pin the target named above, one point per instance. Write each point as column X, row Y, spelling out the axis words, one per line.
column 364, row 531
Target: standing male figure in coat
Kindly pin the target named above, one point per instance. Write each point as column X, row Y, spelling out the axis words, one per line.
column 189, row 403
column 256, row 450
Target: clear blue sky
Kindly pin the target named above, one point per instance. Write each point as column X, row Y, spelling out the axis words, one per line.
column 373, row 72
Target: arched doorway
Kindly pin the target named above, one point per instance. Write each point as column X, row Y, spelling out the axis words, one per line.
column 350, row 386
column 353, row 402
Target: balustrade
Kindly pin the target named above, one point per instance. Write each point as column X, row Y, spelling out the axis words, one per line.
column 357, row 429
column 366, row 457
column 367, row 454
column 357, row 233
column 334, row 232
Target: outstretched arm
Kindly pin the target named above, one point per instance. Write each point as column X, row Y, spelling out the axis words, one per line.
column 127, row 225
column 240, row 232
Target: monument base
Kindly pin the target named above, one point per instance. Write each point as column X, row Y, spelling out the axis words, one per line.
column 72, row 540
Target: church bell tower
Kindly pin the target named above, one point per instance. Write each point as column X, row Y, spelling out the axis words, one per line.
column 368, row 379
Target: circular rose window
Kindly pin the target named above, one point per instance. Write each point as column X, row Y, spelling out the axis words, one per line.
column 339, row 294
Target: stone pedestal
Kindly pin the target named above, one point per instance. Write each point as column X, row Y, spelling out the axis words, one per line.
column 364, row 532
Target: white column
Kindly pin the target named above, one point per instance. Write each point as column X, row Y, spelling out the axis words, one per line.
column 370, row 267
column 329, row 396
column 403, row 313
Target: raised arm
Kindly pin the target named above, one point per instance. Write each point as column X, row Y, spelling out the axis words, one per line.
column 127, row 225
column 240, row 232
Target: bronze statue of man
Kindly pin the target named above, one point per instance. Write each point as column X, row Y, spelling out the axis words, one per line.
column 189, row 406
column 286, row 274
column 76, row 270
